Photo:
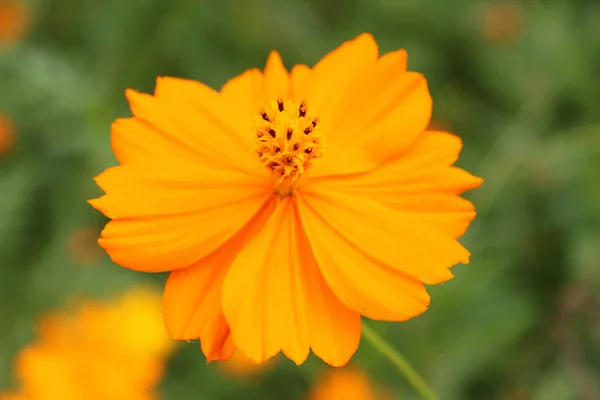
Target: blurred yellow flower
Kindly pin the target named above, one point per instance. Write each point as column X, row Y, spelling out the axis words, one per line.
column 347, row 384
column 6, row 134
column 14, row 21
column 113, row 350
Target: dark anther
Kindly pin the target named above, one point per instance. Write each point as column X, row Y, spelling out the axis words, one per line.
column 272, row 132
column 314, row 122
column 302, row 109
column 289, row 159
column 296, row 146
column 308, row 130
column 264, row 115
column 276, row 149
column 280, row 104
column 259, row 134
column 309, row 150
column 274, row 164
column 289, row 133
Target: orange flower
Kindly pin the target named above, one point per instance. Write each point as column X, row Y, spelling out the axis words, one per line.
column 6, row 135
column 288, row 204
column 99, row 351
column 14, row 19
column 346, row 384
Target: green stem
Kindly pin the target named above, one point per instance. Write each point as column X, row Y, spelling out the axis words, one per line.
column 401, row 363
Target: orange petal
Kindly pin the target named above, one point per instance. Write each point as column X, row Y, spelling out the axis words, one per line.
column 277, row 82
column 422, row 182
column 361, row 281
column 426, row 167
column 192, row 307
column 450, row 213
column 399, row 240
column 375, row 92
column 275, row 299
column 168, row 217
column 220, row 346
column 384, row 112
column 336, row 71
column 134, row 141
column 398, row 59
column 246, row 91
column 323, row 88
column 192, row 296
column 206, row 138
column 299, row 80
column 393, row 118
column 209, row 103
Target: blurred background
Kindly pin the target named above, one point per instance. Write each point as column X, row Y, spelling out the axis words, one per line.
column 517, row 80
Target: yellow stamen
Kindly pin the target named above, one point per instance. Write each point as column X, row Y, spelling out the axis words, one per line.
column 289, row 142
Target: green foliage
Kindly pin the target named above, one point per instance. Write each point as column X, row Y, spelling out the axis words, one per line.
column 519, row 322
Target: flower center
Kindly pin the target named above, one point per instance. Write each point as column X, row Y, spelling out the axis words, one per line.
column 288, row 142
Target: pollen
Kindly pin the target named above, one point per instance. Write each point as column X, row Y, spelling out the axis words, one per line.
column 288, row 140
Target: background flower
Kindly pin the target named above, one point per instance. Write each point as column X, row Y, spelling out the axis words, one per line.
column 14, row 21
column 347, row 383
column 519, row 320
column 6, row 134
column 95, row 350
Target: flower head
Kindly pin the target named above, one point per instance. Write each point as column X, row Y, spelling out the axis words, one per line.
column 97, row 351
column 289, row 204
